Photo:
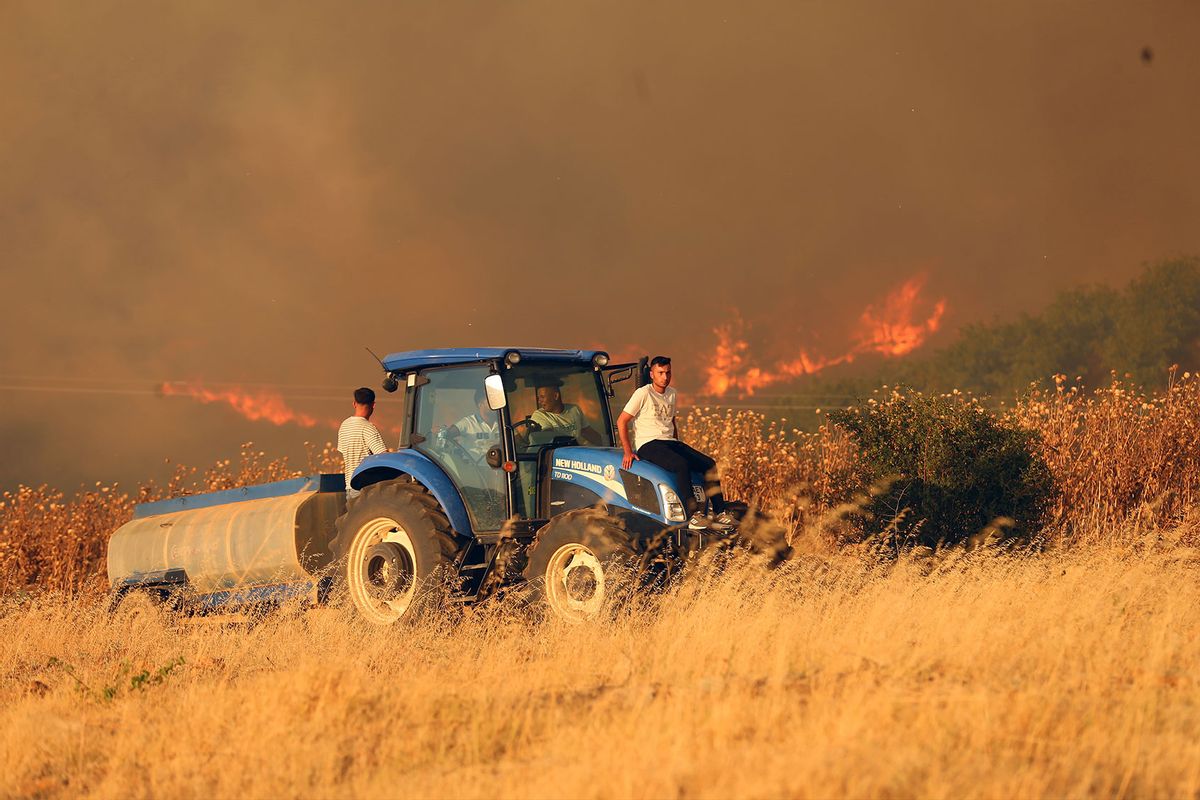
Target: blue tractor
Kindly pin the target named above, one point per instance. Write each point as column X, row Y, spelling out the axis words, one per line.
column 507, row 472
column 508, row 467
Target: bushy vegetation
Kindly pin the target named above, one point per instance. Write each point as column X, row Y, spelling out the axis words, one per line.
column 1142, row 330
column 1122, row 460
column 942, row 469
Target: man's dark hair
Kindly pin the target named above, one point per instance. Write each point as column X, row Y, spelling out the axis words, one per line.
column 480, row 395
column 660, row 361
column 364, row 396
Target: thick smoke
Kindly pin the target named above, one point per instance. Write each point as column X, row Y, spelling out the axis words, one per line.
column 226, row 193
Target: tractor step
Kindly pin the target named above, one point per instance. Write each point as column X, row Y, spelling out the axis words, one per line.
column 476, row 562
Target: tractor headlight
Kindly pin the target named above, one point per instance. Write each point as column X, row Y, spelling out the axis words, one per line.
column 672, row 503
column 600, row 360
column 512, row 358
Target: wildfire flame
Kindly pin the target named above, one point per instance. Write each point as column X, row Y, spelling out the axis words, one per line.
column 888, row 328
column 256, row 405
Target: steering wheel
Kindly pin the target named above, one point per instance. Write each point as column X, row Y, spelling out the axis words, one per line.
column 534, row 427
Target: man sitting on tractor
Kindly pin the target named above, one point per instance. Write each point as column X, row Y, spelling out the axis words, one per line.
column 656, row 439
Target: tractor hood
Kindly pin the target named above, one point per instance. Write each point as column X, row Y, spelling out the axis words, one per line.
column 583, row 476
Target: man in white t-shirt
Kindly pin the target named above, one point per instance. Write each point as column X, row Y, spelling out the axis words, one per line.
column 358, row 438
column 477, row 432
column 656, row 439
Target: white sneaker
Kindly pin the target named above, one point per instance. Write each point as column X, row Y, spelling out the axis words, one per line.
column 724, row 522
column 698, row 522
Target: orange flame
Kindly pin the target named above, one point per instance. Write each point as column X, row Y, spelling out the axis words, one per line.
column 258, row 405
column 888, row 329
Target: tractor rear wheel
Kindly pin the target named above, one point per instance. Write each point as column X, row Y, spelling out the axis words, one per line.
column 394, row 545
column 575, row 565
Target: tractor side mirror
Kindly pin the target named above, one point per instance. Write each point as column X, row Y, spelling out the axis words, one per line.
column 494, row 386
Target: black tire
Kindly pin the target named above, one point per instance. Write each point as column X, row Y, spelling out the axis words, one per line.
column 143, row 610
column 579, row 563
column 395, row 548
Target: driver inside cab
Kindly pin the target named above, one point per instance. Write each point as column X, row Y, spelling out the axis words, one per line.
column 559, row 418
column 477, row 432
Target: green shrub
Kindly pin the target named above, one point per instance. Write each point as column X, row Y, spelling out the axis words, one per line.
column 943, row 470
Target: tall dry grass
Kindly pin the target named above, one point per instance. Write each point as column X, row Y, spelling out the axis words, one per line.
column 1071, row 674
column 1125, row 460
column 1067, row 673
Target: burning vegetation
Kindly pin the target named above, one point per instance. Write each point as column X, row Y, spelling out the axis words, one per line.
column 253, row 405
column 895, row 327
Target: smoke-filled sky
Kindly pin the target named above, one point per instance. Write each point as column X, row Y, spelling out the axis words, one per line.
column 252, row 193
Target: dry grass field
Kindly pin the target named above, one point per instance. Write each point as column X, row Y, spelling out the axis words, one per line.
column 974, row 676
column 1067, row 671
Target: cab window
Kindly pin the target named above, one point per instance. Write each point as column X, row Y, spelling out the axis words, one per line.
column 458, row 429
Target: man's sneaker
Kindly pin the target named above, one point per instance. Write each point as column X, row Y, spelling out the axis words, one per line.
column 698, row 522
column 724, row 522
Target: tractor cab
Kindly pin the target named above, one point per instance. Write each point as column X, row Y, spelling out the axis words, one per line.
column 491, row 421
column 552, row 406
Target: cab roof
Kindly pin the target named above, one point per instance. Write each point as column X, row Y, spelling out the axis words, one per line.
column 410, row 360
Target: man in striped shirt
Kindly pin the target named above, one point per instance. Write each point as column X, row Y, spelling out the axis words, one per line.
column 358, row 438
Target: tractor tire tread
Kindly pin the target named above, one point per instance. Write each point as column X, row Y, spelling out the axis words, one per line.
column 433, row 543
column 595, row 529
column 598, row 517
column 404, row 490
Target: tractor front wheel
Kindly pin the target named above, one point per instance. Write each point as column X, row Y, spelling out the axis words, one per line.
column 395, row 544
column 578, row 563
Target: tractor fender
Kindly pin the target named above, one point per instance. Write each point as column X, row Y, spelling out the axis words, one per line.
column 418, row 466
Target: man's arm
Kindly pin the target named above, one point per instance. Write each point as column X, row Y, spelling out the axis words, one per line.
column 453, row 431
column 675, row 426
column 522, row 434
column 375, row 442
column 623, row 432
column 634, row 406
